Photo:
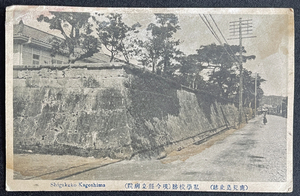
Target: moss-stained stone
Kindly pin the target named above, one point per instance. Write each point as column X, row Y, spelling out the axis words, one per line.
column 110, row 112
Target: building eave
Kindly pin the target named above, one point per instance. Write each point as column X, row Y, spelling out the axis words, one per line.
column 23, row 39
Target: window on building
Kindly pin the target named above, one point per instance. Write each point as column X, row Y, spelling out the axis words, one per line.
column 55, row 61
column 35, row 59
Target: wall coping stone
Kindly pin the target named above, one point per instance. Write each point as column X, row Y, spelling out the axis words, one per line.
column 114, row 65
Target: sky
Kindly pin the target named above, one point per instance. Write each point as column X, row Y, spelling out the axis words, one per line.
column 270, row 46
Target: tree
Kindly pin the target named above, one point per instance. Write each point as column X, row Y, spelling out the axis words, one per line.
column 223, row 62
column 159, row 50
column 249, row 89
column 112, row 34
column 148, row 52
column 190, row 71
column 78, row 43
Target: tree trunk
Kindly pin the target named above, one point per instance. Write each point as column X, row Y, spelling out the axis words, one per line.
column 153, row 67
column 111, row 57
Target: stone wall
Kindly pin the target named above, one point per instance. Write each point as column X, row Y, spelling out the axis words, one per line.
column 109, row 110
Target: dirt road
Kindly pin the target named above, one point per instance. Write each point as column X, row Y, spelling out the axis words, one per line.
column 256, row 152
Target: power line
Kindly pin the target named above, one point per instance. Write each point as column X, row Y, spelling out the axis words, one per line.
column 240, row 29
column 218, row 28
column 213, row 29
column 239, row 26
column 210, row 28
column 223, row 38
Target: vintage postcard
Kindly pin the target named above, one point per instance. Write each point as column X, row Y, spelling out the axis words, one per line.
column 149, row 99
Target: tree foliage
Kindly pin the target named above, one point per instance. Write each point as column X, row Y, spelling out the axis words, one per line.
column 113, row 32
column 220, row 64
column 159, row 51
column 78, row 43
column 189, row 73
column 222, row 60
column 249, row 89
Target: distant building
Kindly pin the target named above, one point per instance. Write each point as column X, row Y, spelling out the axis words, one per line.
column 274, row 105
column 32, row 46
column 271, row 100
column 284, row 107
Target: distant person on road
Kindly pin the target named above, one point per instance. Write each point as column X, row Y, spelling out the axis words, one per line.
column 265, row 118
column 246, row 117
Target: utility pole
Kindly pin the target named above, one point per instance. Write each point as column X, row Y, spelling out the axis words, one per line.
column 241, row 73
column 255, row 94
column 241, row 28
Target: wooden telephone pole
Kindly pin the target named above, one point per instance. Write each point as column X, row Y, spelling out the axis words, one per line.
column 255, row 94
column 241, row 29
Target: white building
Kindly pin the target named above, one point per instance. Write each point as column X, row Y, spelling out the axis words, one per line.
column 32, row 47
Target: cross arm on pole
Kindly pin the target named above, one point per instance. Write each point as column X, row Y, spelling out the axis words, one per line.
column 242, row 37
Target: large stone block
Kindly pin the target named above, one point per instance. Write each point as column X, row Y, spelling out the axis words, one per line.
column 109, row 111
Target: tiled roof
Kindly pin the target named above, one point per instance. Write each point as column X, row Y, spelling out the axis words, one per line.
column 32, row 32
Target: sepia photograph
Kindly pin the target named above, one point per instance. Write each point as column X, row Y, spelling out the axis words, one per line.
column 149, row 99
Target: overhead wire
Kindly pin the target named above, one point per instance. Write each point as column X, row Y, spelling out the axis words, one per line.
column 222, row 36
column 209, row 26
column 218, row 29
